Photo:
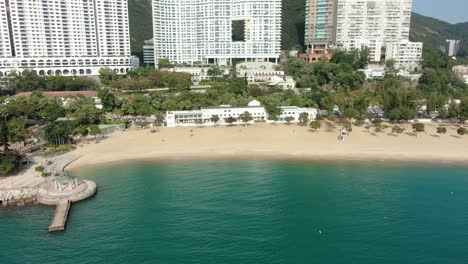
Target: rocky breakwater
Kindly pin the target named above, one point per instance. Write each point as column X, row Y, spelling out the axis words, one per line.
column 18, row 197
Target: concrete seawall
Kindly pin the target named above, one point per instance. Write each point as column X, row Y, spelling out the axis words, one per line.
column 18, row 197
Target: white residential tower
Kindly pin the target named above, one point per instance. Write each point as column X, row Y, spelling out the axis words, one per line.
column 383, row 26
column 64, row 37
column 216, row 31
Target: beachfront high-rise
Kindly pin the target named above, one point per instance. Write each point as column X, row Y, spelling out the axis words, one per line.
column 217, row 31
column 64, row 37
column 320, row 25
column 381, row 25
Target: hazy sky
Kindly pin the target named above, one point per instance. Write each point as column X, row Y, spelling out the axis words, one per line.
column 453, row 11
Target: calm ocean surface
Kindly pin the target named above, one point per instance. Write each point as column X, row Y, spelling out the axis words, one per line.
column 253, row 212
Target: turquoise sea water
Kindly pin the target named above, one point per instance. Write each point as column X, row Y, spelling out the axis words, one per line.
column 253, row 212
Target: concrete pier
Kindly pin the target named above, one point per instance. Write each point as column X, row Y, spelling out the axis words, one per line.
column 49, row 194
column 60, row 217
column 60, row 189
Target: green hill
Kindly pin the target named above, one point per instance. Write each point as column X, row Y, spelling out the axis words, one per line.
column 434, row 32
column 141, row 24
column 431, row 31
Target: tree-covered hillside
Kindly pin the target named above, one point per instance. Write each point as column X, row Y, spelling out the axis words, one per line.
column 141, row 23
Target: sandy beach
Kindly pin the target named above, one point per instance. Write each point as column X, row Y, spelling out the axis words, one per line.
column 268, row 141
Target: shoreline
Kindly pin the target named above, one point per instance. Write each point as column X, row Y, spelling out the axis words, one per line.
column 291, row 159
column 270, row 143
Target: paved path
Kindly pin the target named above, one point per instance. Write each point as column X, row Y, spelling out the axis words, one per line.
column 26, row 178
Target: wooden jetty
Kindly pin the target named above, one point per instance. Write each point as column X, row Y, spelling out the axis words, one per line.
column 60, row 217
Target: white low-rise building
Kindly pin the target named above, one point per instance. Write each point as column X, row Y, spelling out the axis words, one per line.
column 256, row 110
column 372, row 74
column 295, row 112
column 465, row 77
column 406, row 54
column 265, row 73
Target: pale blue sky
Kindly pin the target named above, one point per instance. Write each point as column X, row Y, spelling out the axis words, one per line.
column 453, row 11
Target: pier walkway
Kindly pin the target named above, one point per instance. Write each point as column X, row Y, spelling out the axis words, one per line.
column 60, row 217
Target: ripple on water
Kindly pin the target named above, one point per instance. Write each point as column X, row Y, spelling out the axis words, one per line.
column 252, row 212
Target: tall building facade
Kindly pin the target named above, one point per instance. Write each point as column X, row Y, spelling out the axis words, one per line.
column 453, row 47
column 320, row 25
column 64, row 37
column 216, row 31
column 148, row 52
column 383, row 26
column 386, row 21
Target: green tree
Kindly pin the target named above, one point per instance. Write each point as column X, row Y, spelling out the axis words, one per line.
column 94, row 131
column 273, row 111
column 390, row 67
column 230, row 120
column 315, row 125
column 107, row 75
column 108, row 99
column 9, row 163
column 454, row 110
column 462, row 131
column 52, row 112
column 84, row 110
column 418, row 128
column 57, row 134
column 82, row 130
column 17, row 128
column 246, row 117
column 303, row 118
column 289, row 119
column 214, row 73
column 397, row 130
column 362, row 58
column 441, row 130
column 214, row 119
column 4, row 129
column 164, row 64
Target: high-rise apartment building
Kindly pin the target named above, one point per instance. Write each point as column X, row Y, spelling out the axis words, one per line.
column 320, row 25
column 386, row 21
column 453, row 47
column 216, row 31
column 383, row 26
column 64, row 37
column 148, row 52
